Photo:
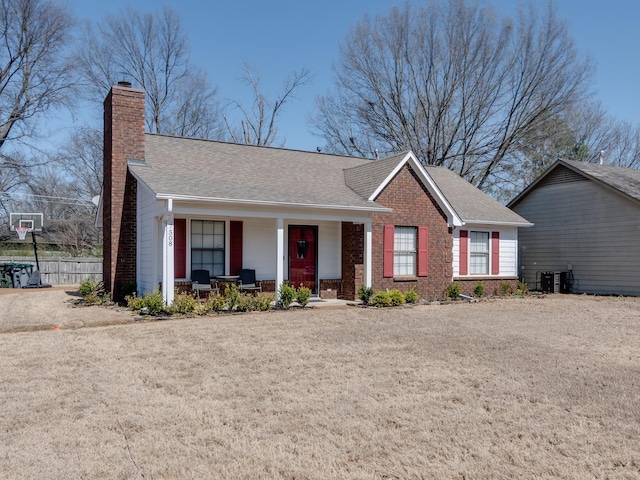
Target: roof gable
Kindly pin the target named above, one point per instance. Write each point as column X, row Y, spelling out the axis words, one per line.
column 623, row 181
column 371, row 178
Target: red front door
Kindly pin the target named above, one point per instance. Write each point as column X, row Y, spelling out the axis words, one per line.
column 303, row 255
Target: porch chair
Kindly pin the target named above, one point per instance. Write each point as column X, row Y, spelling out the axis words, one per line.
column 247, row 280
column 200, row 282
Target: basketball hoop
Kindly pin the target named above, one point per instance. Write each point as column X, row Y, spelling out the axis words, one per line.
column 22, row 232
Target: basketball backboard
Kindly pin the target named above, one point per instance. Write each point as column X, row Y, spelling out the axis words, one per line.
column 33, row 221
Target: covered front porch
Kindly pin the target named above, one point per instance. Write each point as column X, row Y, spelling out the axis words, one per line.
column 327, row 251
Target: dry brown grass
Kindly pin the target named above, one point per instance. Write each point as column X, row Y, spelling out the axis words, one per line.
column 518, row 388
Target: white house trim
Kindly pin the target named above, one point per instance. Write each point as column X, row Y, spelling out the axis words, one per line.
column 452, row 217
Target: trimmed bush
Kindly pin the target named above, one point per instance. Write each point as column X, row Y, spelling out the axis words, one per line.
column 243, row 303
column 231, row 294
column 286, row 295
column 303, row 294
column 453, row 290
column 478, row 290
column 215, row 303
column 365, row 294
column 380, row 299
column 505, row 288
column 93, row 292
column 412, row 295
column 261, row 302
column 396, row 297
column 184, row 304
column 522, row 288
column 153, row 302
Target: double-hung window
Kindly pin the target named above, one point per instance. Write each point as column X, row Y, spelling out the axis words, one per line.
column 207, row 246
column 479, row 253
column 404, row 251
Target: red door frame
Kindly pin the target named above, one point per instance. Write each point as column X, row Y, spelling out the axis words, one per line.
column 310, row 257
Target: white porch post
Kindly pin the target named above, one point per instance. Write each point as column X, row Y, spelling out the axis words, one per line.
column 368, row 244
column 167, row 255
column 279, row 254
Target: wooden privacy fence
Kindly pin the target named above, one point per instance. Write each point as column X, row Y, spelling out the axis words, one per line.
column 63, row 270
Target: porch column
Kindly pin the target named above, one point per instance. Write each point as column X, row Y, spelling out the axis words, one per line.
column 368, row 243
column 279, row 254
column 168, row 240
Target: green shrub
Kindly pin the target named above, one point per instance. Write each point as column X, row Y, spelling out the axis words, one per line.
column 286, row 295
column 153, row 302
column 93, row 292
column 396, row 297
column 231, row 294
column 134, row 302
column 87, row 287
column 522, row 288
column 261, row 302
column 453, row 290
column 478, row 290
column 244, row 303
column 505, row 288
column 303, row 294
column 365, row 294
column 215, row 303
column 380, row 299
column 184, row 304
column 412, row 295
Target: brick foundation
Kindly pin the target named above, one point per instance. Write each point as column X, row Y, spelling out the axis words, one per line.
column 492, row 286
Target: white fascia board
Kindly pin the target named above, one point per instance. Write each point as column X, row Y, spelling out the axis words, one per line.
column 470, row 223
column 262, row 203
column 452, row 217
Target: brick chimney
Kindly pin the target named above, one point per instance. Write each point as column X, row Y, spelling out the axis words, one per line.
column 123, row 142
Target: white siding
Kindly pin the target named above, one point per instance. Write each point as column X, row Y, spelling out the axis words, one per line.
column 259, row 248
column 508, row 249
column 586, row 226
column 148, row 256
column 329, row 250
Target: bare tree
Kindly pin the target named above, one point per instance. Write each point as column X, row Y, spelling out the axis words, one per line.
column 151, row 50
column 80, row 160
column 455, row 83
column 581, row 133
column 35, row 77
column 69, row 217
column 258, row 124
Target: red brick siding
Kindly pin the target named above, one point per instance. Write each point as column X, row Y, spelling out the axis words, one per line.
column 123, row 141
column 413, row 206
column 352, row 259
column 492, row 286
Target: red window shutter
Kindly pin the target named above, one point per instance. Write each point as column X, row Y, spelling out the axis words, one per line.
column 495, row 253
column 464, row 252
column 388, row 250
column 423, row 251
column 179, row 248
column 235, row 243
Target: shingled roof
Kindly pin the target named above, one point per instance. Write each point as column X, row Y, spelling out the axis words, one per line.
column 471, row 204
column 624, row 181
column 208, row 170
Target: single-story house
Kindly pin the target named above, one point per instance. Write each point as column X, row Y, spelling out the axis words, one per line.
column 171, row 205
column 585, row 238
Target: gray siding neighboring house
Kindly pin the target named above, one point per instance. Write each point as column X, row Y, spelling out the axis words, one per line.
column 586, row 222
